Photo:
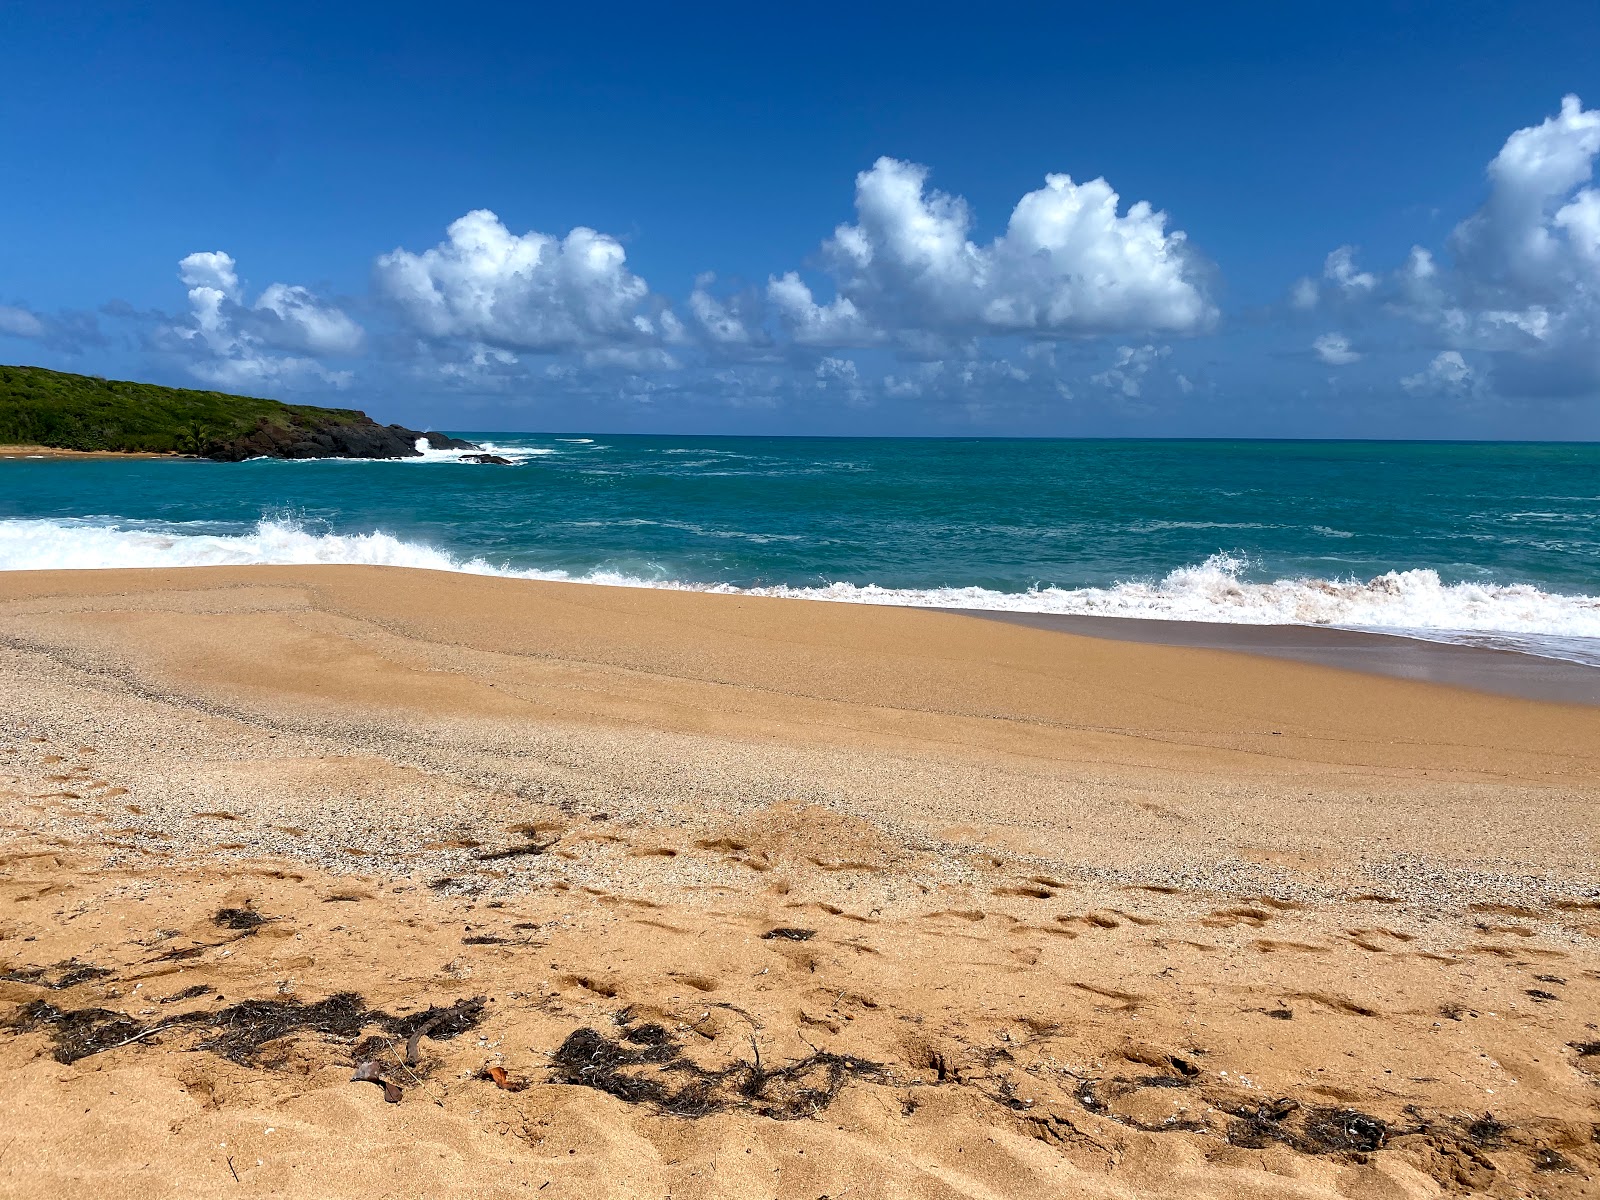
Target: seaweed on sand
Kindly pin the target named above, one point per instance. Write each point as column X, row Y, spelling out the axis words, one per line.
column 241, row 1031
column 241, row 920
column 648, row 1067
column 788, row 934
column 69, row 973
column 77, row 1033
column 528, row 847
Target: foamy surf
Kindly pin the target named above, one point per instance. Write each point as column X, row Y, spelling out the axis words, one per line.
column 1414, row 603
column 426, row 454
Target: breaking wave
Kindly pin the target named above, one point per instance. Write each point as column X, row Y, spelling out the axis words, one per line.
column 1415, row 603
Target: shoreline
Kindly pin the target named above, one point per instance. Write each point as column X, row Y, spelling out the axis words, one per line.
column 62, row 452
column 1492, row 670
column 1394, row 655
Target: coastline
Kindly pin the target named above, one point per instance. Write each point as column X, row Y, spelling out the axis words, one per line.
column 1399, row 656
column 59, row 452
column 1063, row 907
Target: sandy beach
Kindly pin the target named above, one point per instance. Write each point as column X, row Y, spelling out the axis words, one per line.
column 631, row 893
column 59, row 452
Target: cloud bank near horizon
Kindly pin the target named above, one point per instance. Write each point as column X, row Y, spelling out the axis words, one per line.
column 1081, row 299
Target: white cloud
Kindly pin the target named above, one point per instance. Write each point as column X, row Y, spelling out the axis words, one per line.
column 1340, row 270
column 19, row 322
column 234, row 345
column 303, row 323
column 212, row 270
column 1068, row 264
column 1334, row 349
column 1448, row 374
column 1523, row 277
column 1127, row 372
column 1537, row 233
column 724, row 323
column 532, row 291
column 837, row 323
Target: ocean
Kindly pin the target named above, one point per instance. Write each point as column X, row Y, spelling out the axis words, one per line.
column 1477, row 543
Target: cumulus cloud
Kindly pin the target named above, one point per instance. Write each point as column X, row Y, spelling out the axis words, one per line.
column 1127, row 372
column 1334, row 349
column 1340, row 270
column 212, row 270
column 1522, row 277
column 276, row 341
column 294, row 319
column 523, row 292
column 1341, row 279
column 1069, row 263
column 1447, row 374
column 731, row 324
column 837, row 323
column 1539, row 232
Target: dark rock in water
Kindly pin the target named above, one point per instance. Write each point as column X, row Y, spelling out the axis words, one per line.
column 486, row 458
column 310, row 437
column 443, row 441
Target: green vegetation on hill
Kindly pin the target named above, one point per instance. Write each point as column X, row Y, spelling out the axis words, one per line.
column 82, row 412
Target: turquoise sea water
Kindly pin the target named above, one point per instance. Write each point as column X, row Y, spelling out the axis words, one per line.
column 1468, row 542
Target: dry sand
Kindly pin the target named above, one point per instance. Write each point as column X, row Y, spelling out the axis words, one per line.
column 1059, row 916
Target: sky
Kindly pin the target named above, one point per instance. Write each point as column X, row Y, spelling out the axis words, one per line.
column 1311, row 220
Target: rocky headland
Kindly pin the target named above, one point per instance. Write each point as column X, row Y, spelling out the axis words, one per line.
column 62, row 411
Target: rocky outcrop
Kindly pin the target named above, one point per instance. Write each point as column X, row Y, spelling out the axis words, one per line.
column 443, row 441
column 358, row 436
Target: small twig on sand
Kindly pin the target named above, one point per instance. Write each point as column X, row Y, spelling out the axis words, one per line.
column 413, row 1043
column 231, row 1171
column 139, row 1037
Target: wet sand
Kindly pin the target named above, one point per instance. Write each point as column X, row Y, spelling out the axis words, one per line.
column 1502, row 672
column 634, row 893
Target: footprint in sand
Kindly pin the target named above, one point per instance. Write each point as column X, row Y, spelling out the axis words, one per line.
column 1227, row 918
column 1376, row 941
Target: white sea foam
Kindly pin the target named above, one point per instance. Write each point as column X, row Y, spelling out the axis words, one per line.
column 427, row 454
column 1415, row 603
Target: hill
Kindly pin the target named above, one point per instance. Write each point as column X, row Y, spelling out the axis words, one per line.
column 39, row 407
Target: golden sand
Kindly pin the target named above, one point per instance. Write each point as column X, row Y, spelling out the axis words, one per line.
column 1060, row 916
column 60, row 452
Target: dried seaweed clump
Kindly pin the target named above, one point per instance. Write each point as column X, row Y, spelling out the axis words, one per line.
column 1319, row 1130
column 68, row 973
column 77, row 1033
column 648, row 1067
column 241, row 920
column 241, row 1032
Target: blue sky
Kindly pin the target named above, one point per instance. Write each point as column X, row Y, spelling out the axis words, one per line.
column 819, row 219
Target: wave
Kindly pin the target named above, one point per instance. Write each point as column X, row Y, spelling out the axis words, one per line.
column 427, row 454
column 1414, row 603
